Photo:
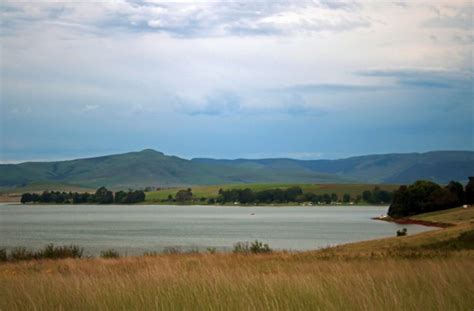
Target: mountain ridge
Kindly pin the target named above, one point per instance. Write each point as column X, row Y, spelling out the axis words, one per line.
column 153, row 168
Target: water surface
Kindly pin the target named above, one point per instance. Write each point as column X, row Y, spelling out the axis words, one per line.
column 133, row 229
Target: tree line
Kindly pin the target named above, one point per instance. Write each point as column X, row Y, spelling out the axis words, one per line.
column 277, row 195
column 101, row 196
column 426, row 196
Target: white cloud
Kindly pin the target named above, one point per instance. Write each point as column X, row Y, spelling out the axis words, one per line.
column 160, row 55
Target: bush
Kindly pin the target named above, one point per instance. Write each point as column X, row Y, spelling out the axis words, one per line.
column 402, row 232
column 258, row 247
column 193, row 250
column 255, row 247
column 467, row 236
column 21, row 253
column 241, row 247
column 171, row 250
column 3, row 254
column 211, row 250
column 110, row 253
column 57, row 252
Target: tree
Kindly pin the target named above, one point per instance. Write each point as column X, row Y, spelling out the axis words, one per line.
column 120, row 196
column 457, row 190
column 292, row 193
column 246, row 196
column 346, row 197
column 334, row 197
column 134, row 197
column 104, row 196
column 421, row 197
column 26, row 197
column 326, row 198
column 367, row 196
column 184, row 195
column 469, row 192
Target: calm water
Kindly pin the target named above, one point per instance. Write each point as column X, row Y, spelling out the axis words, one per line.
column 134, row 229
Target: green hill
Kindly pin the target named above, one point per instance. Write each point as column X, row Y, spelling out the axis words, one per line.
column 152, row 168
column 148, row 168
column 402, row 168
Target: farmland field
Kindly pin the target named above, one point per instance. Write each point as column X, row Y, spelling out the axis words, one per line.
column 212, row 191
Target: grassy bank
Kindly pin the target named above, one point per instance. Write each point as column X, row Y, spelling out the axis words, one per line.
column 405, row 273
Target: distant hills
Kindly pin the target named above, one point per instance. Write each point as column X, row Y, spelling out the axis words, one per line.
column 153, row 168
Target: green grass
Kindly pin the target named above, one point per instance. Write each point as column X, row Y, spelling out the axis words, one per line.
column 42, row 186
column 452, row 216
column 14, row 194
column 212, row 191
column 462, row 219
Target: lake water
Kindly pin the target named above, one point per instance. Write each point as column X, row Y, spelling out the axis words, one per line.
column 134, row 229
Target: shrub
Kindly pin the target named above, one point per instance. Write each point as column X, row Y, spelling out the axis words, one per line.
column 110, row 253
column 21, row 253
column 258, row 247
column 402, row 232
column 57, row 252
column 255, row 247
column 211, row 250
column 171, row 250
column 241, row 247
column 3, row 254
column 193, row 250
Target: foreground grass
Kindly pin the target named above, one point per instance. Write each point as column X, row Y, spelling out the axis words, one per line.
column 406, row 273
column 212, row 191
column 238, row 282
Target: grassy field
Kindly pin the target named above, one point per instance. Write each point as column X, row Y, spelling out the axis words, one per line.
column 212, row 191
column 402, row 273
column 14, row 194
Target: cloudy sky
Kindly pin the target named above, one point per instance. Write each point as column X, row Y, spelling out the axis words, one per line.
column 308, row 80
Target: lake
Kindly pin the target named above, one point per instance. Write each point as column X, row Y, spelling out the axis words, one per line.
column 134, row 229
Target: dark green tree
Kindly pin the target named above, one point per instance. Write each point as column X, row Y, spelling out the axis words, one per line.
column 184, row 195
column 469, row 192
column 367, row 196
column 457, row 190
column 120, row 197
column 104, row 196
column 346, row 198
column 26, row 197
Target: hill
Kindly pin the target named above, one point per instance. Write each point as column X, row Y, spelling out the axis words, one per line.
column 401, row 168
column 148, row 168
column 153, row 168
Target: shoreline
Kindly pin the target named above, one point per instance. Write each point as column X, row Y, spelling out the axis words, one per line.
column 409, row 221
column 199, row 204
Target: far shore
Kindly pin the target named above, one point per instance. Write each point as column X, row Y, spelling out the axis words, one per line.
column 199, row 204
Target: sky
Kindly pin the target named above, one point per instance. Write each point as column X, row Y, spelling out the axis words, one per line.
column 307, row 80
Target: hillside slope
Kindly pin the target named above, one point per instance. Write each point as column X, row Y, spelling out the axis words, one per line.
column 153, row 168
column 148, row 168
column 437, row 166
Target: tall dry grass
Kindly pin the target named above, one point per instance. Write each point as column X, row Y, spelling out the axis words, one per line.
column 280, row 281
